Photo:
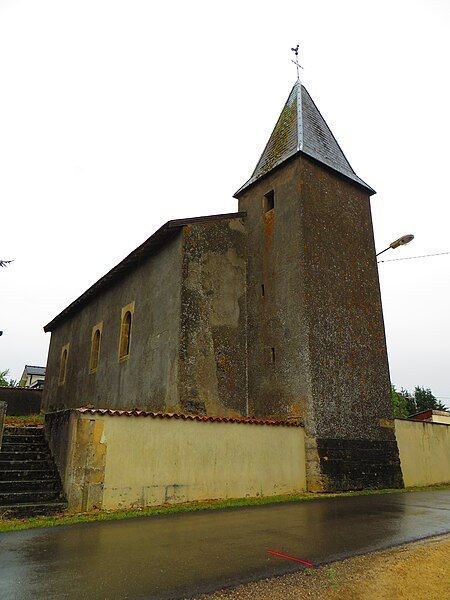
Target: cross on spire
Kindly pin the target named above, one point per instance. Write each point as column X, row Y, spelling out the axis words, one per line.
column 296, row 63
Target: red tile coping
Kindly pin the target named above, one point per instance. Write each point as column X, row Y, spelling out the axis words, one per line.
column 187, row 417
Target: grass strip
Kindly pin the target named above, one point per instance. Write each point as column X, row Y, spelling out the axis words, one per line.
column 24, row 420
column 101, row 515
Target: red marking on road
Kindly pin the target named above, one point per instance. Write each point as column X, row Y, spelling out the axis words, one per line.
column 293, row 558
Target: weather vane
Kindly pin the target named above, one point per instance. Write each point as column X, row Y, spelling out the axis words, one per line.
column 296, row 63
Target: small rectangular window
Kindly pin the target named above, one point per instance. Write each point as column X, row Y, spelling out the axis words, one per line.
column 263, row 291
column 273, row 355
column 269, row 201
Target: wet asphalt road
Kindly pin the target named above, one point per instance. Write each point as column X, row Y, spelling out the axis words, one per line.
column 178, row 556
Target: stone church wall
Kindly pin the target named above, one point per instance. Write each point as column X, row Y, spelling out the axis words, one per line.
column 148, row 379
column 213, row 345
column 188, row 335
column 278, row 367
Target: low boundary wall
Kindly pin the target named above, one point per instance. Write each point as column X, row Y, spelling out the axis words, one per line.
column 424, row 450
column 21, row 401
column 119, row 459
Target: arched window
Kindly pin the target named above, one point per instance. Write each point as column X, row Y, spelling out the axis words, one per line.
column 125, row 334
column 95, row 349
column 63, row 364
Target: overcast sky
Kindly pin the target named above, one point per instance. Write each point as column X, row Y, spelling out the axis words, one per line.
column 116, row 116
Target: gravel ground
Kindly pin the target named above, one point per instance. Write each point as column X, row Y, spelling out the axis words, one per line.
column 420, row 570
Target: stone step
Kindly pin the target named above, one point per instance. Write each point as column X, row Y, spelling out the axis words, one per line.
column 29, row 455
column 24, row 431
column 23, row 439
column 9, row 498
column 15, row 447
column 29, row 481
column 34, row 509
column 28, row 474
column 26, row 465
column 34, row 485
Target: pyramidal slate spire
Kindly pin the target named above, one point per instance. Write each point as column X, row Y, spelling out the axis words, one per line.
column 301, row 128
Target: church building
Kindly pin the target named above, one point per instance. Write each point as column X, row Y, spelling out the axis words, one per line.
column 271, row 312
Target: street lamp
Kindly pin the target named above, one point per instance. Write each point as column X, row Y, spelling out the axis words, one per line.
column 405, row 239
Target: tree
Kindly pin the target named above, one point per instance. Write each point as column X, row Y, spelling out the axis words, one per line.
column 410, row 401
column 4, row 382
column 425, row 400
column 399, row 404
column 406, row 404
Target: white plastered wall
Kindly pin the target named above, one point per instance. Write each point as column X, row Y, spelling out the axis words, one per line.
column 424, row 449
column 152, row 461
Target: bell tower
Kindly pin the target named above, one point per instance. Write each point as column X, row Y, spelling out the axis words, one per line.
column 316, row 341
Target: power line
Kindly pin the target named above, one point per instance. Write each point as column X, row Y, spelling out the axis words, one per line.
column 411, row 257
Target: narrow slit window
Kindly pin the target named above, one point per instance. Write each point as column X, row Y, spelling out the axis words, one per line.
column 125, row 335
column 263, row 291
column 63, row 365
column 269, row 201
column 273, row 355
column 95, row 349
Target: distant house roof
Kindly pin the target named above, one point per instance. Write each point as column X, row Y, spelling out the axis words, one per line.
column 302, row 129
column 33, row 370
column 428, row 414
column 133, row 260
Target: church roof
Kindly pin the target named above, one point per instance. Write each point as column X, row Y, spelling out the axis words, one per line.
column 302, row 129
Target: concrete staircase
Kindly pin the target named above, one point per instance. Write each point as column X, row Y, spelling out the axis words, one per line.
column 29, row 482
